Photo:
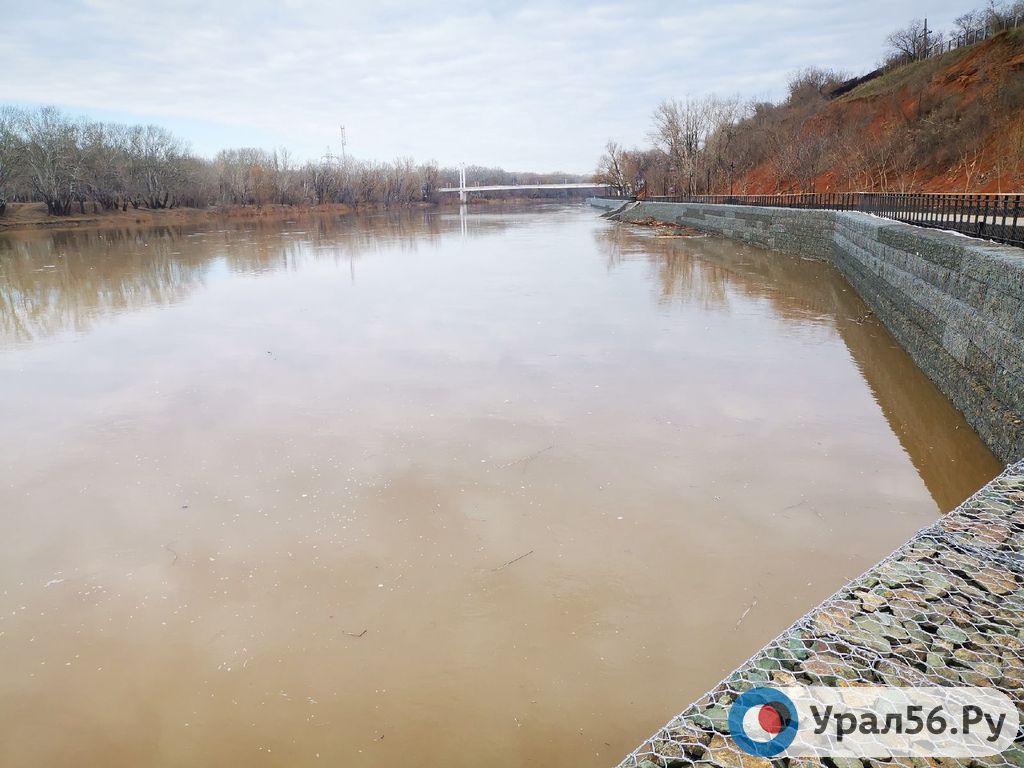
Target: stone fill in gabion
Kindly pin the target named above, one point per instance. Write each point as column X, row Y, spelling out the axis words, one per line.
column 946, row 608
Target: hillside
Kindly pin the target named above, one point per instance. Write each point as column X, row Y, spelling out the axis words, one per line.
column 948, row 123
column 954, row 123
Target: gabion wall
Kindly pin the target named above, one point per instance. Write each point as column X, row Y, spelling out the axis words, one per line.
column 946, row 608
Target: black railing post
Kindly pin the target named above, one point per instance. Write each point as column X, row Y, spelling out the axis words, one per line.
column 1013, row 234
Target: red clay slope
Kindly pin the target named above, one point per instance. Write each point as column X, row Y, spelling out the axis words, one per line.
column 954, row 123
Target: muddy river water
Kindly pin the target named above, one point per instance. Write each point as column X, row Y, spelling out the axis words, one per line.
column 504, row 489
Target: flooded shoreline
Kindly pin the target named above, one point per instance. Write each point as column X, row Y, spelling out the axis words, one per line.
column 507, row 486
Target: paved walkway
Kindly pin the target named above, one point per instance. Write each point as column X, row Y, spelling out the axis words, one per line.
column 946, row 608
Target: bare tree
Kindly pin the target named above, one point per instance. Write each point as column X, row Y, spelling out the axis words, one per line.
column 682, row 129
column 49, row 156
column 156, row 161
column 369, row 177
column 611, row 168
column 253, row 176
column 910, row 42
column 967, row 23
column 105, row 161
column 990, row 18
column 813, row 83
column 322, row 181
column 52, row 158
column 10, row 151
column 885, row 164
column 284, row 179
column 804, row 155
column 398, row 182
column 430, row 180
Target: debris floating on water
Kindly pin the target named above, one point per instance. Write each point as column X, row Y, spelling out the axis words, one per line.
column 514, row 560
column 744, row 614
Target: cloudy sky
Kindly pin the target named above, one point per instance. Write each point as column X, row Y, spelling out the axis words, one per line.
column 534, row 85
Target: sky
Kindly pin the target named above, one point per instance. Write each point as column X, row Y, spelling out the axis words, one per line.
column 528, row 86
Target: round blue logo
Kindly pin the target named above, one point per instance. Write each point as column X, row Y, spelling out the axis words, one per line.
column 763, row 721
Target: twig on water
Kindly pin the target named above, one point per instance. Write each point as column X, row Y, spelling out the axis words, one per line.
column 169, row 549
column 514, row 560
column 526, row 459
column 744, row 615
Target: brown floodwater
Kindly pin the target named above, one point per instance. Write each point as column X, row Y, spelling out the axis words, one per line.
column 504, row 489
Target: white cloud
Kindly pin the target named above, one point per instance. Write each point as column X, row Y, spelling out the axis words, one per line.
column 534, row 85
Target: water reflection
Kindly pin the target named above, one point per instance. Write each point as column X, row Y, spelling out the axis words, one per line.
column 228, row 452
column 812, row 294
column 64, row 280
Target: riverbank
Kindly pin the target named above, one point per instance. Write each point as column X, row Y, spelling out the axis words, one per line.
column 22, row 216
column 29, row 216
column 946, row 608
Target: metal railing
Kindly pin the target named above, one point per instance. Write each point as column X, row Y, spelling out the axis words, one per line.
column 968, row 37
column 925, row 50
column 990, row 217
column 944, row 43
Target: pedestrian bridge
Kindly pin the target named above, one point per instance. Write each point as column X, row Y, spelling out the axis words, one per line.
column 463, row 190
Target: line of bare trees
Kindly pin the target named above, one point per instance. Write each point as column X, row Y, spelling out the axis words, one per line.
column 706, row 145
column 70, row 163
column 717, row 145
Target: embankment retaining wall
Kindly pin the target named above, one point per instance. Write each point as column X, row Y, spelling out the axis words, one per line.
column 954, row 303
